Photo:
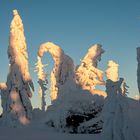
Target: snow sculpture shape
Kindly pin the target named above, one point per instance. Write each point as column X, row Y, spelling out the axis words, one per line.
column 17, row 109
column 42, row 80
column 138, row 68
column 115, row 110
column 62, row 75
column 87, row 74
column 112, row 71
column 112, row 74
column 112, row 125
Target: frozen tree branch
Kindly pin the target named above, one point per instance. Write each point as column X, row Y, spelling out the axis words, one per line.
column 42, row 80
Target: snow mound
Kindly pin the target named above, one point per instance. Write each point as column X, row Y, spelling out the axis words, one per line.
column 68, row 113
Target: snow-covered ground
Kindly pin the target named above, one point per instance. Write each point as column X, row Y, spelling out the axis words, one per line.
column 41, row 134
column 38, row 130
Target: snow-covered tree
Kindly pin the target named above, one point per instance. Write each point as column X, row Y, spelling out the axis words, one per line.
column 112, row 74
column 42, row 80
column 115, row 111
column 113, row 125
column 87, row 73
column 62, row 75
column 17, row 108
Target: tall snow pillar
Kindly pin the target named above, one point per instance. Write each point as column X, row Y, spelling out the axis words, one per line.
column 18, row 108
column 138, row 68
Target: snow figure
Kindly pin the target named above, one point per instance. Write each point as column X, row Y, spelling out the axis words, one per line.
column 17, row 109
column 112, row 74
column 62, row 75
column 87, row 74
column 115, row 110
column 42, row 80
column 71, row 105
column 112, row 128
column 112, row 71
column 138, row 68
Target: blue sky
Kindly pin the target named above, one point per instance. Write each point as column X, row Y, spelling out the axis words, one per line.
column 75, row 25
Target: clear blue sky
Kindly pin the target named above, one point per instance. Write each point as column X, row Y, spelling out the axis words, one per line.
column 75, row 25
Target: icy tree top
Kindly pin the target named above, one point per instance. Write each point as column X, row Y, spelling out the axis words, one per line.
column 112, row 71
column 53, row 49
column 93, row 55
column 17, row 51
column 17, row 38
column 16, row 22
column 87, row 73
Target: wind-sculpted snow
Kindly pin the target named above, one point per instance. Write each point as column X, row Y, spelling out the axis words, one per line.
column 112, row 71
column 15, row 97
column 87, row 73
column 67, row 114
column 112, row 74
column 115, row 111
column 72, row 101
column 62, row 75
